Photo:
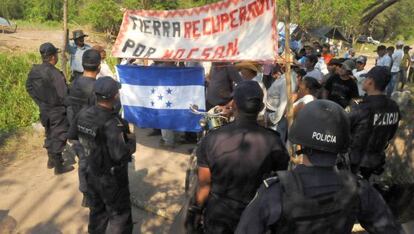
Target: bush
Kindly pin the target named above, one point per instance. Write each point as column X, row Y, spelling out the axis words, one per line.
column 17, row 108
column 103, row 15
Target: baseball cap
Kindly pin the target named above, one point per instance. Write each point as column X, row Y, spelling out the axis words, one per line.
column 335, row 61
column 381, row 47
column 378, row 73
column 407, row 48
column 348, row 65
column 248, row 96
column 48, row 49
column 399, row 43
column 361, row 59
column 106, row 87
column 91, row 57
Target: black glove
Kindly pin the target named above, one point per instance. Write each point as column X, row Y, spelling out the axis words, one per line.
column 193, row 221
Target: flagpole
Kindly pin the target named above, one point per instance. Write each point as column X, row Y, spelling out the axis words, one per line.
column 65, row 37
column 288, row 75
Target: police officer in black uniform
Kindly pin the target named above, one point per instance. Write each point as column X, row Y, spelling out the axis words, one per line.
column 47, row 87
column 374, row 122
column 82, row 95
column 233, row 160
column 81, row 92
column 316, row 197
column 108, row 145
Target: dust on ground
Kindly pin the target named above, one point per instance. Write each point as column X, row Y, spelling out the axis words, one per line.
column 29, row 40
column 34, row 200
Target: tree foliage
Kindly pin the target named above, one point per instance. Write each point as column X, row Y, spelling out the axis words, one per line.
column 106, row 15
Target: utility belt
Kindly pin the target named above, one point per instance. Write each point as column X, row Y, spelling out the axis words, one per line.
column 111, row 171
column 77, row 101
column 232, row 202
column 48, row 107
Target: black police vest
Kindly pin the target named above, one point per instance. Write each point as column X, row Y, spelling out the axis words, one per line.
column 384, row 121
column 80, row 96
column 326, row 213
column 92, row 138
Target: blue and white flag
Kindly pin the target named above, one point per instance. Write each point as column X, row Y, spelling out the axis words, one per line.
column 160, row 97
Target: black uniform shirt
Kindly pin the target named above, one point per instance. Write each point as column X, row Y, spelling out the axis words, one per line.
column 239, row 155
column 46, row 85
column 341, row 91
column 266, row 209
column 374, row 123
column 119, row 146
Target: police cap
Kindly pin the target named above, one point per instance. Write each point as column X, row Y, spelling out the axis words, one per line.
column 106, row 87
column 321, row 125
column 248, row 96
column 379, row 74
column 91, row 58
column 48, row 49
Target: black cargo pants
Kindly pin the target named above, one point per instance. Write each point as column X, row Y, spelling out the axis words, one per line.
column 56, row 127
column 110, row 206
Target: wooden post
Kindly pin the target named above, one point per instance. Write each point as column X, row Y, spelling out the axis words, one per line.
column 288, row 61
column 65, row 37
column 288, row 73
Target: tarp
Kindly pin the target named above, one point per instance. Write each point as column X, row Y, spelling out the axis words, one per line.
column 328, row 32
column 230, row 30
column 4, row 22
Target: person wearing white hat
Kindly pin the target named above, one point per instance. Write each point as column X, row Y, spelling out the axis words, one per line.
column 397, row 57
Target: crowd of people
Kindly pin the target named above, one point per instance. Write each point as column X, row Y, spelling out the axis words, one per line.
column 343, row 122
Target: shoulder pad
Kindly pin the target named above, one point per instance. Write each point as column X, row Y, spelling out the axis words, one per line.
column 270, row 181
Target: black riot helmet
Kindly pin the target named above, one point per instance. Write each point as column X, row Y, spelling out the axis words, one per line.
column 321, row 125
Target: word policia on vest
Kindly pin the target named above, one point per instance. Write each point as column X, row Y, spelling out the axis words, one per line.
column 223, row 31
column 383, row 119
column 324, row 137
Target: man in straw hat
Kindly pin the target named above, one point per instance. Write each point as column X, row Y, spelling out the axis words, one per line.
column 76, row 50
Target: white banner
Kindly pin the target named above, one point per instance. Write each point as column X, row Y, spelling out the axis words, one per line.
column 230, row 30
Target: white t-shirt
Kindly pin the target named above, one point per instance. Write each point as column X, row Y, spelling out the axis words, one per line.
column 321, row 66
column 360, row 80
column 384, row 61
column 397, row 57
column 305, row 100
column 315, row 73
column 105, row 71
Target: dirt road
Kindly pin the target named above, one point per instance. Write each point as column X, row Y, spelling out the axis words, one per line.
column 34, row 200
column 29, row 40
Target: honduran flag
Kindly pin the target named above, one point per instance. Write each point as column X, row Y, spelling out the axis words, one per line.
column 160, row 97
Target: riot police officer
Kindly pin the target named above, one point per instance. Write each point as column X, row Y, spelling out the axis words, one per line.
column 81, row 92
column 108, row 145
column 316, row 197
column 81, row 95
column 233, row 160
column 374, row 122
column 47, row 87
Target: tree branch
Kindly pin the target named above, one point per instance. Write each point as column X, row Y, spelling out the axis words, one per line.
column 372, row 13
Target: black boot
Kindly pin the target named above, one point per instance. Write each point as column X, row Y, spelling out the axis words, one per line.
column 50, row 161
column 69, row 155
column 85, row 200
column 60, row 168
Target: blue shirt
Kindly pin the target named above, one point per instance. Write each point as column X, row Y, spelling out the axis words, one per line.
column 76, row 54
